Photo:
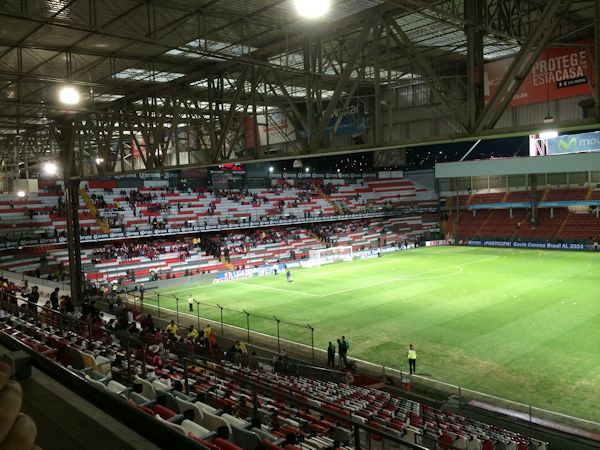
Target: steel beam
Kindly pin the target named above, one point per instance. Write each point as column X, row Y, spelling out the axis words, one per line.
column 522, row 64
column 350, row 66
column 473, row 11
column 66, row 137
column 425, row 69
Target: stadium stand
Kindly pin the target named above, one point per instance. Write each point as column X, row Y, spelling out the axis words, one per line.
column 568, row 220
column 130, row 261
column 215, row 408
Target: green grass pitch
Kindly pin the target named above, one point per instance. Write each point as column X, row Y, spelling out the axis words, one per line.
column 519, row 324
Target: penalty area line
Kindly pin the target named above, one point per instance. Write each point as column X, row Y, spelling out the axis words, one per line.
column 409, row 277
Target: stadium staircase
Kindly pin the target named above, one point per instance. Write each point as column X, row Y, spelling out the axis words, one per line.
column 90, row 205
column 483, row 223
column 227, row 265
column 526, row 220
column 324, row 196
column 560, row 229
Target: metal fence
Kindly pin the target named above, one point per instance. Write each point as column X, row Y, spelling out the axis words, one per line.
column 269, row 332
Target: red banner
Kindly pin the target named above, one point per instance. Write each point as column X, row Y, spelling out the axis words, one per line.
column 559, row 72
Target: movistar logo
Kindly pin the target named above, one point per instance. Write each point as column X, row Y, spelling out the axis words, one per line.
column 567, row 144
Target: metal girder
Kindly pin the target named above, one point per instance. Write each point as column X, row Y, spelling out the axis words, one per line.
column 232, row 110
column 319, row 133
column 522, row 64
column 473, row 11
column 427, row 72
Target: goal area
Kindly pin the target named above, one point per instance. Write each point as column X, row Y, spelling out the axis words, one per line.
column 329, row 255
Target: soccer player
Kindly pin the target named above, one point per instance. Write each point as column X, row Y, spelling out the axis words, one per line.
column 288, row 275
column 412, row 359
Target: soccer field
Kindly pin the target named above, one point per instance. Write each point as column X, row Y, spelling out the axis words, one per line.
column 520, row 324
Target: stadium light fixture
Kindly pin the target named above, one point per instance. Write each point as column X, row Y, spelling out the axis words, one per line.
column 99, row 160
column 21, row 194
column 548, row 134
column 68, row 95
column 312, row 9
column 549, row 118
column 271, row 169
column 307, row 169
column 50, row 168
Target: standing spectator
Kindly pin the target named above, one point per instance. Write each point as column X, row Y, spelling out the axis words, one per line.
column 191, row 303
column 342, row 353
column 33, row 298
column 54, row 299
column 412, row 359
column 346, row 343
column 331, row 355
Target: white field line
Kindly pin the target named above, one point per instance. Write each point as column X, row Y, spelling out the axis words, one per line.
column 407, row 277
column 308, row 294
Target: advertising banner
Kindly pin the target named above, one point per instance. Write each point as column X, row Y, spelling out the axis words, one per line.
column 526, row 244
column 343, row 122
column 574, row 143
column 115, row 235
column 559, row 72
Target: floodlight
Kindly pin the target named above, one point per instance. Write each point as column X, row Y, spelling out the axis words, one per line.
column 99, row 160
column 307, row 169
column 21, row 194
column 50, row 168
column 68, row 95
column 548, row 134
column 271, row 169
column 312, row 9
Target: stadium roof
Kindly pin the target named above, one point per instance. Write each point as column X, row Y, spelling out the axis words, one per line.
column 206, row 61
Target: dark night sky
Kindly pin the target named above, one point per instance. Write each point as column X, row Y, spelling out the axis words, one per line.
column 418, row 158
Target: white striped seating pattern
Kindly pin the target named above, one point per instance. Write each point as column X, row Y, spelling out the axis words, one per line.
column 408, row 420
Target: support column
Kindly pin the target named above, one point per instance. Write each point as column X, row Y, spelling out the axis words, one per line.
column 533, row 198
column 66, row 134
column 473, row 11
column 73, row 241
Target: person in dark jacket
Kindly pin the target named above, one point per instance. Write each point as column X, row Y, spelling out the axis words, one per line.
column 331, row 355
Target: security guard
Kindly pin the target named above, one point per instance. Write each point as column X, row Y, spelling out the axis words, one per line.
column 412, row 359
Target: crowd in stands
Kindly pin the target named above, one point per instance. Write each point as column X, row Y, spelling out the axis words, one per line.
column 139, row 364
column 132, row 249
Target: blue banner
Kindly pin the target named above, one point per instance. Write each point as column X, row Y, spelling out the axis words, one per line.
column 574, row 143
column 550, row 204
column 350, row 121
column 527, row 244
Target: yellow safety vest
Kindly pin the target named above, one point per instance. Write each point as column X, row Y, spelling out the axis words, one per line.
column 412, row 354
